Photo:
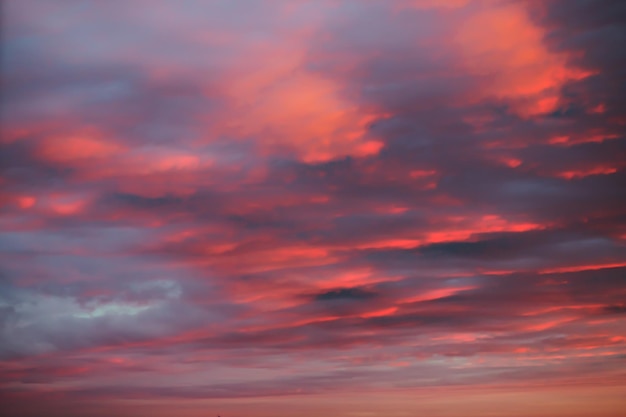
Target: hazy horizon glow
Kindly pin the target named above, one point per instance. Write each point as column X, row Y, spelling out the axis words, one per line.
column 305, row 208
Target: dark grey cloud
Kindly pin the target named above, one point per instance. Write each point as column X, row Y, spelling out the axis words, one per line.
column 347, row 294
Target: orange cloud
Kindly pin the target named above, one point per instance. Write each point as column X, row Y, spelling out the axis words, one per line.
column 435, row 4
column 67, row 204
column 501, row 44
column 600, row 170
column 86, row 144
column 278, row 103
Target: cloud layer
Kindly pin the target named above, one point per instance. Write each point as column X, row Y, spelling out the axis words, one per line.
column 335, row 207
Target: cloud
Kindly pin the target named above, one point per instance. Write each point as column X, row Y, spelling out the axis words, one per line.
column 225, row 203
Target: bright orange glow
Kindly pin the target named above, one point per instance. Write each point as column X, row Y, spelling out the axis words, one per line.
column 297, row 109
column 569, row 175
column 77, row 147
column 422, row 173
column 547, row 325
column 465, row 228
column 512, row 162
column 569, row 141
column 427, row 4
column 599, row 109
column 67, row 205
column 147, row 164
column 579, row 268
column 380, row 313
column 26, row 202
column 502, row 44
column 436, row 294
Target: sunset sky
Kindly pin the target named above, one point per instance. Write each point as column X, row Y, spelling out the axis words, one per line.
column 313, row 208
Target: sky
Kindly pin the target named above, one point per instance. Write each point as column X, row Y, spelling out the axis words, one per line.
column 347, row 208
